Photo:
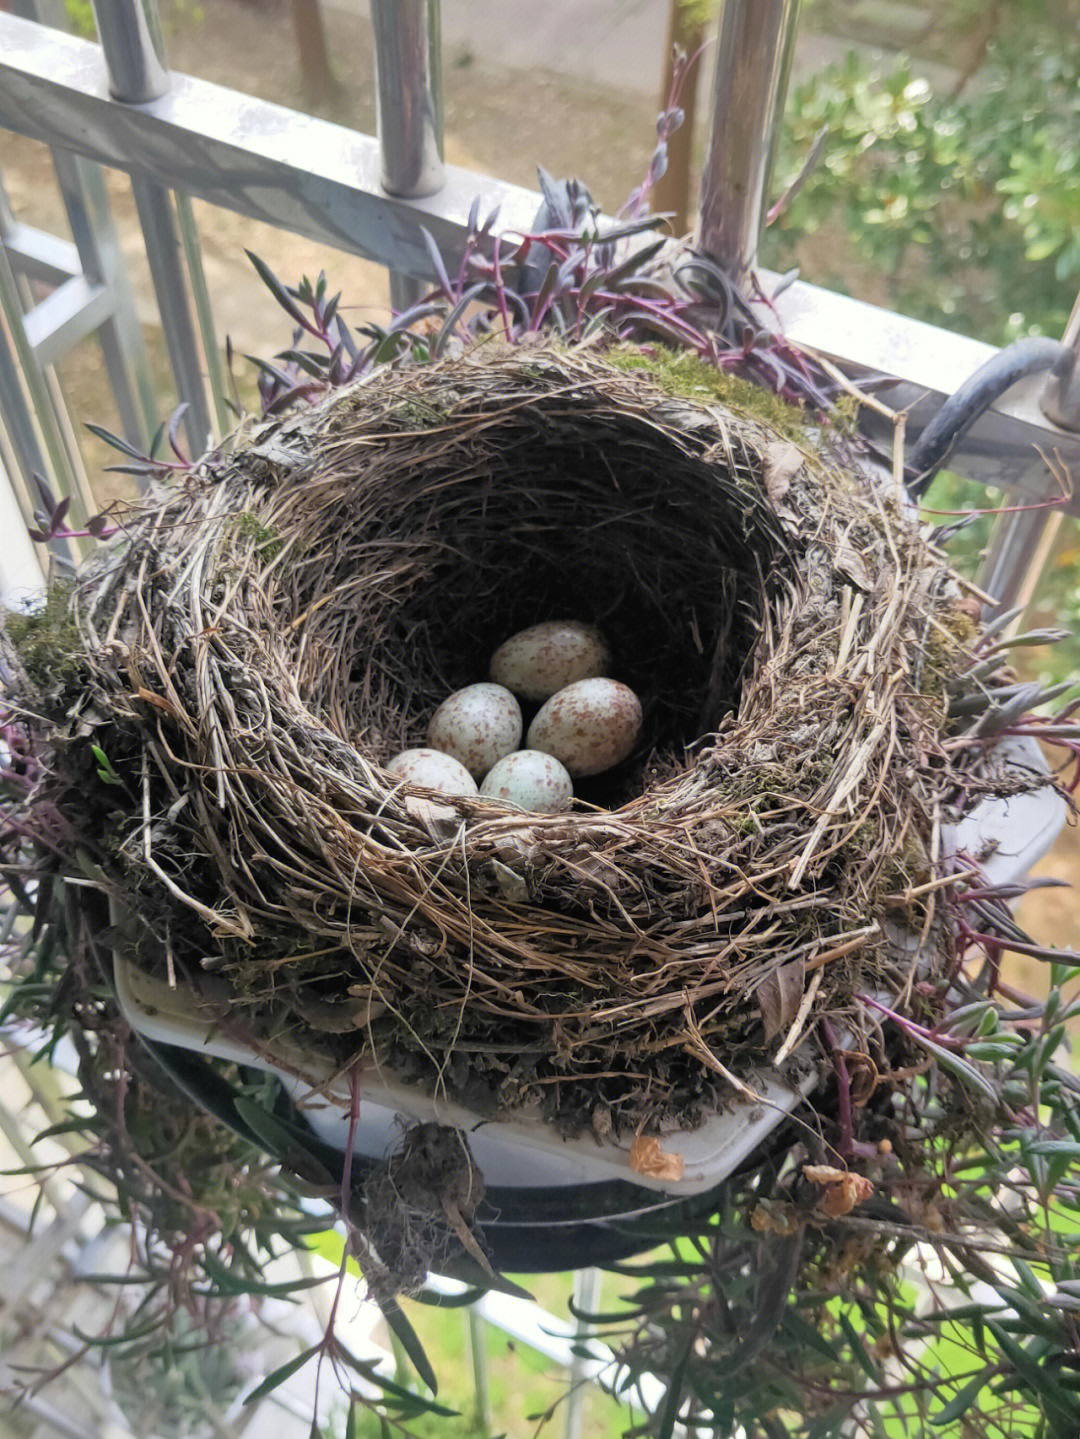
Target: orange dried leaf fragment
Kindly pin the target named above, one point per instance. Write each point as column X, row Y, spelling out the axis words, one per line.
column 842, row 1191
column 646, row 1157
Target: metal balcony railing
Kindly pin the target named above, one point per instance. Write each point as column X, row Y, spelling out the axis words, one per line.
column 118, row 105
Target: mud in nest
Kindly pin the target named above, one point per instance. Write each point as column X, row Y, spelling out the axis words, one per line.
column 286, row 617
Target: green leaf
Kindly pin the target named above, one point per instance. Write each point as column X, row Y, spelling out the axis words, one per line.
column 410, row 1342
column 77, row 1124
column 408, row 1400
column 226, row 1282
column 436, row 1300
column 1067, row 1148
column 673, row 1398
column 453, row 315
column 283, row 1372
column 115, row 441
column 859, row 1350
column 115, row 1340
column 279, row 292
column 614, row 278
column 1036, row 1377
column 961, row 1400
column 285, row 1141
column 959, row 1068
column 106, row 773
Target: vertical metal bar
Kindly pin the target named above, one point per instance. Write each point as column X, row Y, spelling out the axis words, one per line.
column 21, row 574
column 87, row 203
column 753, row 61
column 478, row 1354
column 53, row 418
column 1019, row 550
column 409, row 109
column 19, row 417
column 405, row 290
column 21, row 449
column 137, row 76
column 200, row 293
column 408, row 88
column 153, row 204
column 586, row 1301
column 137, row 72
column 1060, row 399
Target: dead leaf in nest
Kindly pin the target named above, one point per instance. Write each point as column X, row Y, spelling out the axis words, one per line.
column 510, row 884
column 850, row 564
column 342, row 1017
column 646, row 1157
column 862, row 1074
column 440, row 820
column 781, row 463
column 779, row 996
column 843, row 1191
column 517, row 848
column 159, row 702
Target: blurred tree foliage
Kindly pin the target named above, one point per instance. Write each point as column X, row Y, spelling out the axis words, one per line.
column 957, row 202
column 961, row 203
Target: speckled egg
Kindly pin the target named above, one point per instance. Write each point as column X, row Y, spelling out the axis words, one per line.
column 431, row 770
column 530, row 780
column 538, row 662
column 588, row 726
column 477, row 725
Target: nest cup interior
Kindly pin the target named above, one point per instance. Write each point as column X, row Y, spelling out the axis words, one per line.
column 440, row 551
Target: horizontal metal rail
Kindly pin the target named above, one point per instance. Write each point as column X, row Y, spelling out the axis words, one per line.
column 261, row 160
column 1004, row 448
column 320, row 180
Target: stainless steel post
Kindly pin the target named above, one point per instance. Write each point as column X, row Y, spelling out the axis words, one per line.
column 19, row 415
column 408, row 86
column 20, row 419
column 586, row 1301
column 753, row 60
column 82, row 186
column 1060, row 400
column 137, row 76
column 1021, row 546
column 85, row 198
column 137, row 72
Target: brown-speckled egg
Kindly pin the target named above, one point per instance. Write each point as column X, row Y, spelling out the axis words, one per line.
column 429, row 769
column 588, row 726
column 530, row 780
column 538, row 662
column 477, row 725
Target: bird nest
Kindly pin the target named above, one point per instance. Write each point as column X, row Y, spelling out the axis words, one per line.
column 287, row 615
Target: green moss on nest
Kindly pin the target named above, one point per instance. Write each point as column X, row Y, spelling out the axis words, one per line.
column 688, row 377
column 266, row 540
column 417, row 414
column 945, row 648
column 46, row 640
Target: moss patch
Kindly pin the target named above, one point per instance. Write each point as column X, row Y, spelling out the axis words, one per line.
column 687, row 376
column 46, row 639
column 265, row 540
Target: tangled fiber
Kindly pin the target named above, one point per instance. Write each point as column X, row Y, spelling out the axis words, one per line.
column 285, row 616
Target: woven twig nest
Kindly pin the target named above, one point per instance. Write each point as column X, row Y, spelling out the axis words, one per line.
column 288, row 616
